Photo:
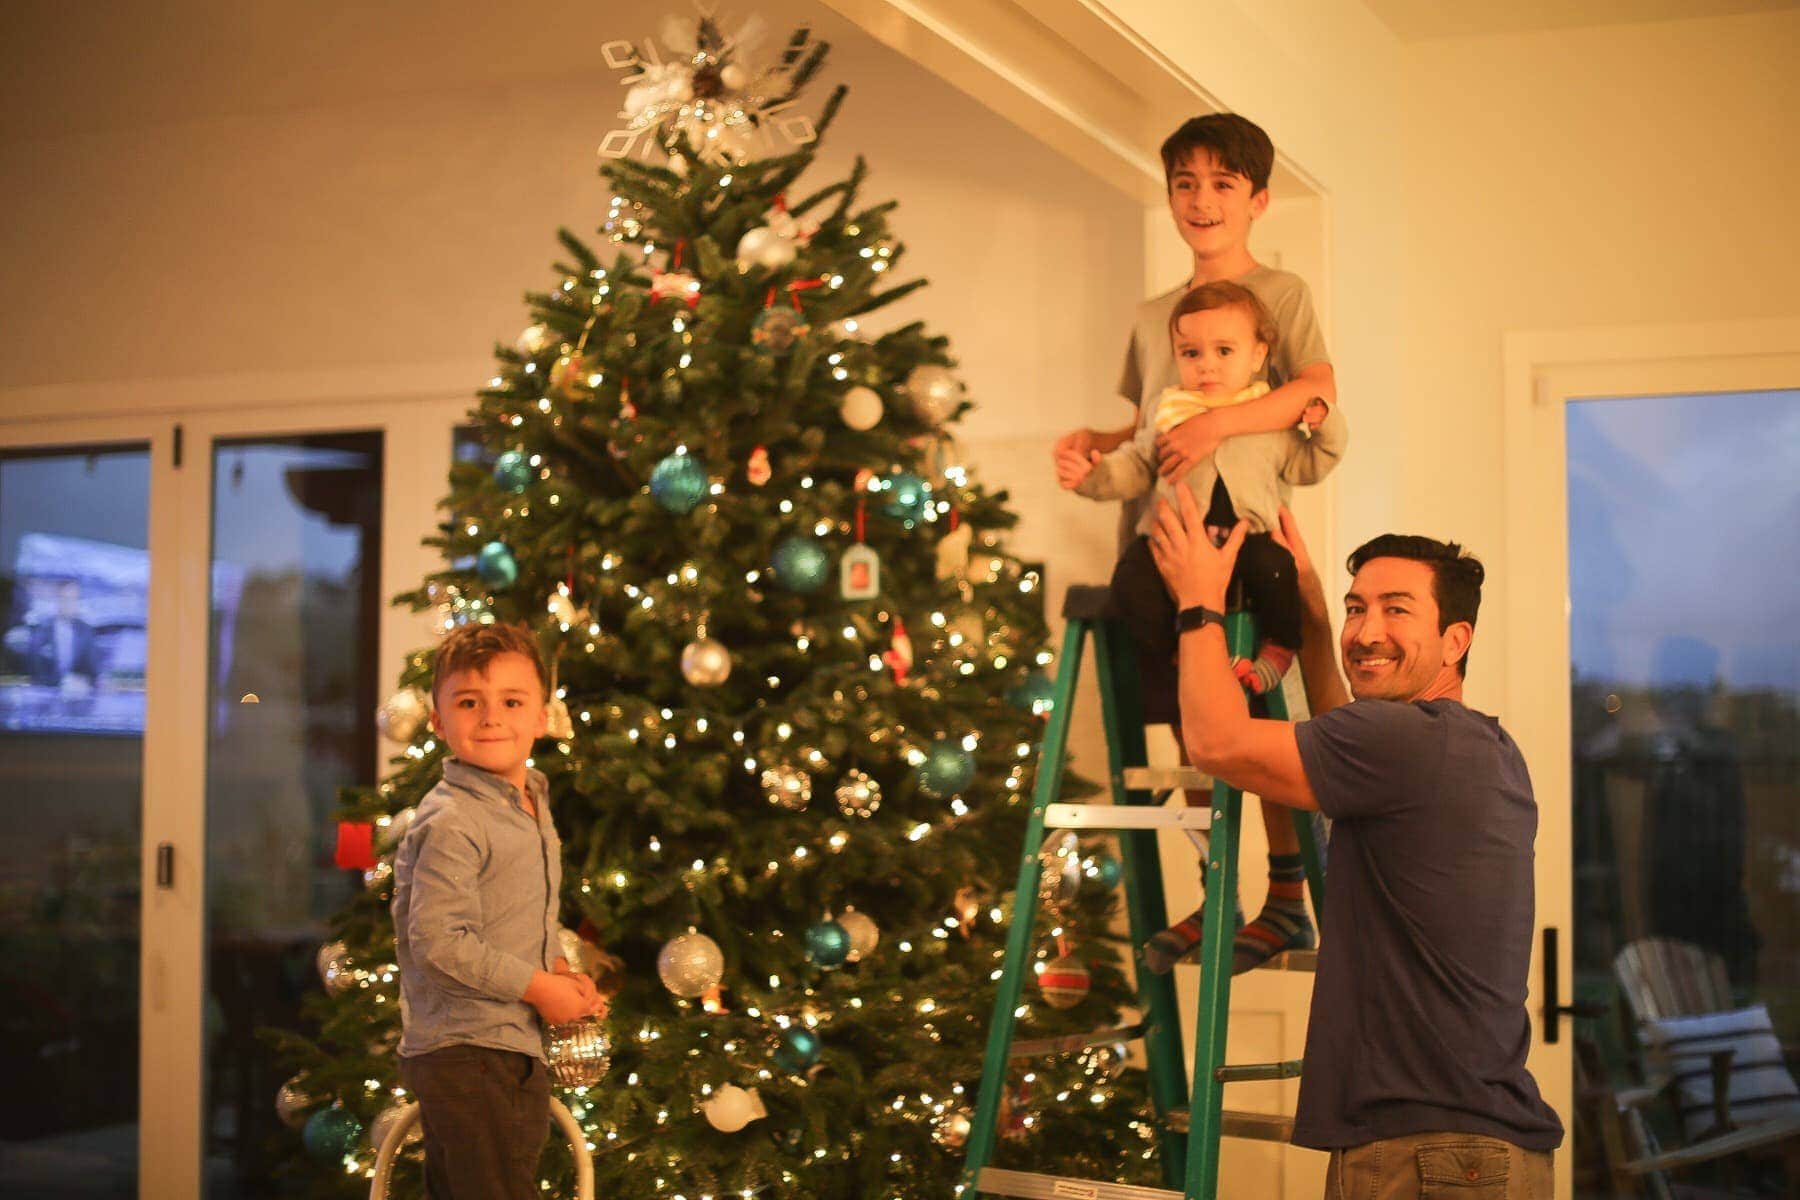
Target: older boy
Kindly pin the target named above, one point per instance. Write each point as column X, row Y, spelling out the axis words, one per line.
column 1217, row 169
column 476, row 887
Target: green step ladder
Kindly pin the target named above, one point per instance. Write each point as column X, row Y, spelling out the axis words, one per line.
column 1190, row 1123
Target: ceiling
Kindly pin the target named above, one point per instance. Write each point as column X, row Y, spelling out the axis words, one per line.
column 1416, row 20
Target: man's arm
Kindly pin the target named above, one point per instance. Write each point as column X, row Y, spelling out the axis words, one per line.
column 1216, row 726
column 1319, row 671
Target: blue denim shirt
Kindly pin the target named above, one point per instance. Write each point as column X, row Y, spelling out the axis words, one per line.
column 476, row 887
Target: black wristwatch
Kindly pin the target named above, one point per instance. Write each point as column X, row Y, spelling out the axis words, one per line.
column 1197, row 617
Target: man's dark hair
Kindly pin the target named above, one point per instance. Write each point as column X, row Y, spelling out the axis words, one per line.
column 1456, row 575
column 1237, row 142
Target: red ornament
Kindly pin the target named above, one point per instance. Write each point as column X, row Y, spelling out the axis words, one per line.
column 759, row 470
column 900, row 658
column 355, row 846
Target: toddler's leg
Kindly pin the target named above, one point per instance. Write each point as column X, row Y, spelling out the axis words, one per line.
column 1181, row 939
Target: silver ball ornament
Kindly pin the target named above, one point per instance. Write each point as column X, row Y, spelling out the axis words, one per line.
column 864, row 933
column 705, row 662
column 787, row 787
column 934, row 391
column 858, row 795
column 391, row 834
column 1060, row 881
column 951, row 1129
column 402, row 715
column 763, row 247
column 291, row 1102
column 861, row 408
column 690, row 965
column 734, row 77
column 578, row 1053
column 392, row 1115
column 533, row 340
column 335, row 969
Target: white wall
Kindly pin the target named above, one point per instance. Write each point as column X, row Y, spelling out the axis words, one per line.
column 272, row 191
column 1593, row 177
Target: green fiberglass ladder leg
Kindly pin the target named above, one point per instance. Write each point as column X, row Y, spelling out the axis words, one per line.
column 1189, row 1133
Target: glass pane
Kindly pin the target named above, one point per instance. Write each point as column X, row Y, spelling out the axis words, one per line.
column 74, row 592
column 1684, row 521
column 296, row 558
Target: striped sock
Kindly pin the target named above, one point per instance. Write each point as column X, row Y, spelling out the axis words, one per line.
column 1282, row 924
column 1272, row 662
column 1179, row 940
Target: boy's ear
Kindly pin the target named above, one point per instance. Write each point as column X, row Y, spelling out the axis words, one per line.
column 1259, row 203
column 1262, row 355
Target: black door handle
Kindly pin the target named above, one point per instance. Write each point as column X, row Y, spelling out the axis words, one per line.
column 1554, row 1009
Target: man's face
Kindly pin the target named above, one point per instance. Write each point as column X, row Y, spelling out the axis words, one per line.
column 1217, row 353
column 1391, row 645
column 490, row 719
column 1213, row 207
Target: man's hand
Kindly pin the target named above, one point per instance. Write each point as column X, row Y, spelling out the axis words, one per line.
column 559, row 999
column 1072, row 467
column 1196, row 572
column 1187, row 445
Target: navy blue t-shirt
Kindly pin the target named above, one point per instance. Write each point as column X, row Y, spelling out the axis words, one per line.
column 1418, row 1018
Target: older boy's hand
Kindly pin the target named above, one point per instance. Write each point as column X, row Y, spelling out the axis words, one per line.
column 1187, row 445
column 1196, row 572
column 1072, row 467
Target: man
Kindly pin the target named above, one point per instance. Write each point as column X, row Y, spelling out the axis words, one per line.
column 1415, row 1048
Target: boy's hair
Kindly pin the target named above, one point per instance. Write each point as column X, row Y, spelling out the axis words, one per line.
column 1237, row 142
column 1456, row 575
column 473, row 646
column 1225, row 294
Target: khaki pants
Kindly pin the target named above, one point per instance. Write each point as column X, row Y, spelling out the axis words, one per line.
column 1439, row 1166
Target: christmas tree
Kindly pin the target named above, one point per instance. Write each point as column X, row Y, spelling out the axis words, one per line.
column 799, row 680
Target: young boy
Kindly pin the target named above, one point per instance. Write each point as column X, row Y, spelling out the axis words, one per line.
column 476, row 898
column 1217, row 168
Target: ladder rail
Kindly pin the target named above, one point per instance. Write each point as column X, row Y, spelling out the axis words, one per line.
column 984, row 1124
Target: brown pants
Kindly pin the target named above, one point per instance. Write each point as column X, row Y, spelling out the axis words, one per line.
column 486, row 1115
column 1439, row 1166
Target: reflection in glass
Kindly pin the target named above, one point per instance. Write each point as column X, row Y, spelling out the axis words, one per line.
column 296, row 557
column 74, row 580
column 1684, row 521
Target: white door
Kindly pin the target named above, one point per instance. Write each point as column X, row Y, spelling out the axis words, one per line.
column 1651, row 603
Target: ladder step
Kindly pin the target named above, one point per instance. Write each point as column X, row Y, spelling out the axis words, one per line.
column 1252, row 1072
column 1302, row 961
column 1254, row 1126
column 1161, row 779
column 1126, row 816
column 993, row 1182
column 1069, row 1043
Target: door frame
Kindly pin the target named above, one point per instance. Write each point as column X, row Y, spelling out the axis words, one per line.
column 1544, row 372
column 417, row 433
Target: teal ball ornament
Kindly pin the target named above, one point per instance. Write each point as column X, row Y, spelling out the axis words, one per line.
column 945, row 770
column 1036, row 693
column 497, row 566
column 800, row 564
column 799, row 1049
column 1108, row 870
column 330, row 1133
column 904, row 496
column 512, row 471
column 679, row 483
column 828, row 943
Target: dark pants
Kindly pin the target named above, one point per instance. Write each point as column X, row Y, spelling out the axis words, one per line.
column 486, row 1115
column 1264, row 572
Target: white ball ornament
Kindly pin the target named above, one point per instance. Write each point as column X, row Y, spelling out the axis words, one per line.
column 934, row 391
column 731, row 1107
column 763, row 247
column 734, row 77
column 706, row 662
column 291, row 1102
column 402, row 715
column 534, row 340
column 690, row 965
column 861, row 408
